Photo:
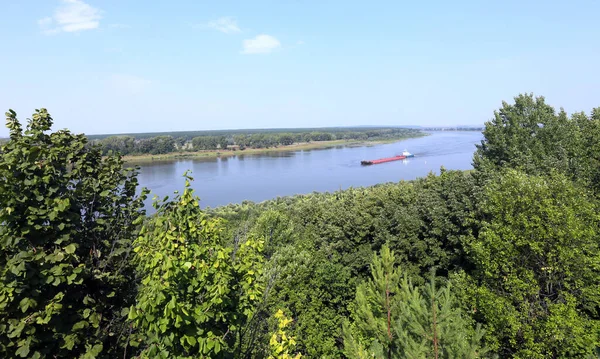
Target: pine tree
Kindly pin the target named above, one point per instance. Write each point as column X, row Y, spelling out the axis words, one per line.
column 395, row 319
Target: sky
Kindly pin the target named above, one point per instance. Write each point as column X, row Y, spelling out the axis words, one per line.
column 122, row 66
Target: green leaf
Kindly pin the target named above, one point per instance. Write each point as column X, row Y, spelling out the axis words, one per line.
column 70, row 249
column 24, row 304
column 80, row 325
column 96, row 350
column 191, row 340
column 23, row 351
column 124, row 312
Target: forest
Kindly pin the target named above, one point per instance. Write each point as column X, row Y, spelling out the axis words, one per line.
column 162, row 143
column 502, row 261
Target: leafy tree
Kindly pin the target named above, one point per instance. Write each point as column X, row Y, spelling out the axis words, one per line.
column 125, row 145
column 394, row 319
column 281, row 343
column 588, row 150
column 276, row 227
column 286, row 139
column 537, row 267
column 223, row 142
column 512, row 137
column 67, row 219
column 163, row 144
column 530, row 136
column 156, row 145
column 315, row 290
column 424, row 221
column 205, row 142
column 197, row 293
column 242, row 140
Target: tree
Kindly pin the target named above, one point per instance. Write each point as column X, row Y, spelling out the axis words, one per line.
column 205, row 142
column 588, row 156
column 537, row 267
column 530, row 136
column 67, row 218
column 156, row 145
column 286, row 139
column 223, row 142
column 281, row 343
column 125, row 145
column 315, row 291
column 394, row 319
column 197, row 293
column 241, row 140
column 162, row 145
column 512, row 136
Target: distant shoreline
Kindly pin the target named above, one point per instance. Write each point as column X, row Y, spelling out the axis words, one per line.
column 255, row 151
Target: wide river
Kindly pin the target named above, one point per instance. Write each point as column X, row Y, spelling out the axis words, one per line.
column 260, row 177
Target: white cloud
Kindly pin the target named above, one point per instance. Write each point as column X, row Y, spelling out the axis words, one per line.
column 261, row 44
column 71, row 16
column 124, row 84
column 227, row 25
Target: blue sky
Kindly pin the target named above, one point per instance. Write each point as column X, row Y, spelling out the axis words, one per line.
column 114, row 66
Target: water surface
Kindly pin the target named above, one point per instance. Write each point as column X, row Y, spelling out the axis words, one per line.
column 220, row 181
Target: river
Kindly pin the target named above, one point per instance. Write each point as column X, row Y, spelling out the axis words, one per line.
column 220, row 181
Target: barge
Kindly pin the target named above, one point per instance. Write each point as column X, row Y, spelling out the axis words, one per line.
column 404, row 155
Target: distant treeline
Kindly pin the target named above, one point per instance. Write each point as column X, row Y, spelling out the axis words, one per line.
column 161, row 143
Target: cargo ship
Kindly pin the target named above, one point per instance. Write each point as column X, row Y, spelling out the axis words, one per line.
column 405, row 154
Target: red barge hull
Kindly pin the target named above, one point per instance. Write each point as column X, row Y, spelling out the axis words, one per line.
column 382, row 160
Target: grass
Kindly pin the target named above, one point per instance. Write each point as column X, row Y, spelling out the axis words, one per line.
column 255, row 151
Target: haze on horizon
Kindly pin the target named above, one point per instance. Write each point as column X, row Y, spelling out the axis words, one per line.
column 110, row 66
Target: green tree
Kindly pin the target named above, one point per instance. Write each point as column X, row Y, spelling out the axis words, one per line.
column 286, row 139
column 125, row 145
column 530, row 136
column 241, row 140
column 163, row 144
column 588, row 154
column 394, row 319
column 197, row 293
column 281, row 343
column 537, row 267
column 512, row 137
column 156, row 145
column 205, row 142
column 223, row 142
column 67, row 220
column 315, row 290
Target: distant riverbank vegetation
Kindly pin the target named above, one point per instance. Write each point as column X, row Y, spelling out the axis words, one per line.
column 499, row 262
column 234, row 140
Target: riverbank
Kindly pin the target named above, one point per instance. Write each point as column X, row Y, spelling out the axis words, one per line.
column 258, row 151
